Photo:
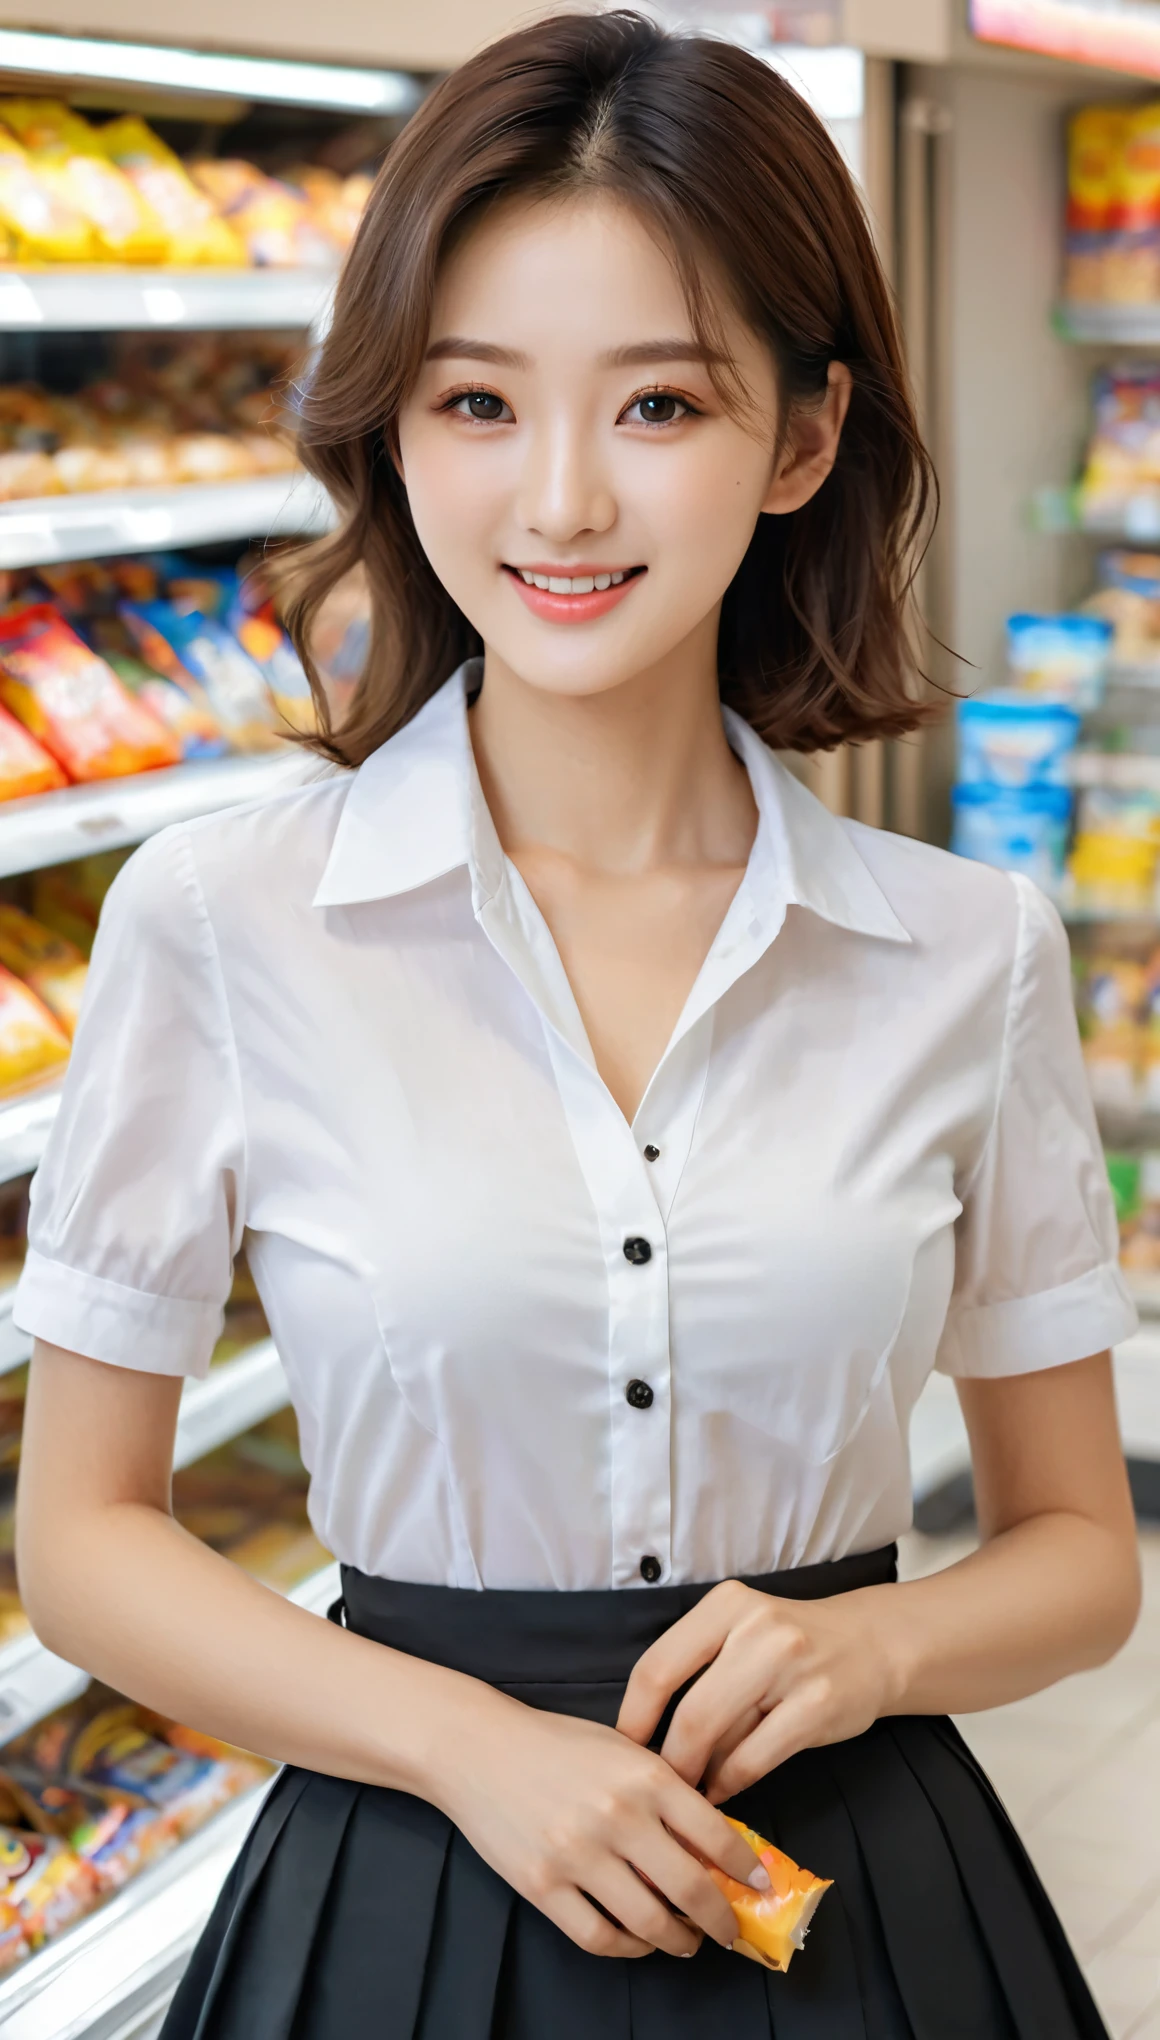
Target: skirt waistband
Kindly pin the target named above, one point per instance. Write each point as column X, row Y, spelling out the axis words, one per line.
column 570, row 1652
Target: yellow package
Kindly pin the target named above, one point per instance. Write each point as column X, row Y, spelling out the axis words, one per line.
column 33, row 1045
column 771, row 1924
column 196, row 234
column 1139, row 193
column 65, row 151
column 55, row 970
column 1095, row 150
column 38, row 219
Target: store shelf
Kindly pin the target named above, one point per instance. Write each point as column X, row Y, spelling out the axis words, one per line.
column 39, row 531
column 1109, row 325
column 232, row 1398
column 110, row 1975
column 345, row 88
column 51, row 828
column 108, row 300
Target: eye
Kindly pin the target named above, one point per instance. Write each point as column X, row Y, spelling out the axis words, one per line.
column 482, row 405
column 657, row 407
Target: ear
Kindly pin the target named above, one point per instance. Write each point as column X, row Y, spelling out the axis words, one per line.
column 811, row 446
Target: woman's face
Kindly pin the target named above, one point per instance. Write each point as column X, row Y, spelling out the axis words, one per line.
column 576, row 481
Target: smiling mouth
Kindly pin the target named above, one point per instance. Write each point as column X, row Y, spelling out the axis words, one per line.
column 594, row 582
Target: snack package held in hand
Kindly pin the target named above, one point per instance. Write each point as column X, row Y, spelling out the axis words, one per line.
column 63, row 148
column 182, row 643
column 42, row 223
column 33, row 1044
column 25, row 766
column 196, row 234
column 772, row 1924
column 52, row 967
column 74, row 703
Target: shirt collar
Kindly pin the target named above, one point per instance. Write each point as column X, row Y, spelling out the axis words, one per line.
column 415, row 811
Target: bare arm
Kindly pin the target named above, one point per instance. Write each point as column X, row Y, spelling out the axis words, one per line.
column 563, row 1809
column 1053, row 1588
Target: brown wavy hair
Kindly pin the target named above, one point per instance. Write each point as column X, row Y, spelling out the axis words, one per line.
column 726, row 162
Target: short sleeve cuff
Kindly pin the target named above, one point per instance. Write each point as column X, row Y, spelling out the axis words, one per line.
column 1031, row 1332
column 106, row 1321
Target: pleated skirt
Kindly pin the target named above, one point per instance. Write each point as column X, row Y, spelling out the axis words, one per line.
column 357, row 1913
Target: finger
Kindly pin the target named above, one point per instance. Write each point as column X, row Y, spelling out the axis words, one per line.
column 796, row 1723
column 708, row 1834
column 744, row 1680
column 687, row 1885
column 642, row 1913
column 586, row 1925
column 676, row 1657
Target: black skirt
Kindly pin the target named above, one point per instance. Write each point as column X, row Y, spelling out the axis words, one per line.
column 357, row 1913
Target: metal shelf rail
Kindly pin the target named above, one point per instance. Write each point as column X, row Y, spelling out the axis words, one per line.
column 112, row 300
column 48, row 530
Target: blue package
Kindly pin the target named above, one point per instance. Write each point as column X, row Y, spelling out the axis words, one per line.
column 1016, row 828
column 1015, row 740
column 1062, row 658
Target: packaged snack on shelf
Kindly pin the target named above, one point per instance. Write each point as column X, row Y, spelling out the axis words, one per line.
column 1140, row 1234
column 183, row 708
column 1020, row 828
column 1064, row 658
column 337, row 203
column 180, row 643
column 247, row 1500
column 1128, row 598
column 74, row 703
column 1112, row 868
column 45, row 961
column 1120, row 483
column 68, row 897
column 40, row 223
column 25, row 765
column 1012, row 741
column 62, row 147
column 1111, row 992
column 262, row 637
column 273, row 220
column 44, row 1887
column 196, row 233
column 33, row 1044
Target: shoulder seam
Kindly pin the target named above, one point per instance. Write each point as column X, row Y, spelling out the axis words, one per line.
column 181, row 837
column 1019, row 951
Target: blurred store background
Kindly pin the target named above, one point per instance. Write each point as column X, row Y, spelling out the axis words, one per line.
column 172, row 218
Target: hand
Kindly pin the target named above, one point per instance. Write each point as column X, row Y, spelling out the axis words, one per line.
column 776, row 1676
column 570, row 1812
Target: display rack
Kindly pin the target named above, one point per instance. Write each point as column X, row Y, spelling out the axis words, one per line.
column 48, row 530
column 108, row 300
column 111, row 1976
column 1109, row 325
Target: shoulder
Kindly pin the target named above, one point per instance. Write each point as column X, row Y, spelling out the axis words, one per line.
column 954, row 907
column 264, row 854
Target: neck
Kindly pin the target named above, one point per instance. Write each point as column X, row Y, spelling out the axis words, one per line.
column 624, row 781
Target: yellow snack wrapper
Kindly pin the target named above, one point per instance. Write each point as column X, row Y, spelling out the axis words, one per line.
column 772, row 1924
column 33, row 1046
column 65, row 152
column 55, row 970
column 40, row 222
column 196, row 234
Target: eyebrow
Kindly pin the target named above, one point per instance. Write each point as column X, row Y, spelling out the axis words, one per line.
column 459, row 347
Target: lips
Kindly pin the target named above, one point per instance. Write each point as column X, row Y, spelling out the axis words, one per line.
column 579, row 597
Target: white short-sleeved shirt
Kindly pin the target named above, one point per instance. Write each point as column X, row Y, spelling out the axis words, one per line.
column 523, row 1353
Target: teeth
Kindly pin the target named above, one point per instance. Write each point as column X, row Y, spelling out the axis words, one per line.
column 570, row 584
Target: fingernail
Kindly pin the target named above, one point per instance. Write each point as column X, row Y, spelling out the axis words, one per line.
column 759, row 1879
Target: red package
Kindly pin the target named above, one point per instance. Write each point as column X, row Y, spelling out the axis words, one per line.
column 73, row 702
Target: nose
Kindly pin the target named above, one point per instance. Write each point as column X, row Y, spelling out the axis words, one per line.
column 564, row 490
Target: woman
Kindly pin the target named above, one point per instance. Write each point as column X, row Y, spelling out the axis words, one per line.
column 618, row 1139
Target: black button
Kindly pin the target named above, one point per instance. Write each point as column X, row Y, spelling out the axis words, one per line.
column 651, row 1153
column 650, row 1569
column 637, row 1251
column 639, row 1394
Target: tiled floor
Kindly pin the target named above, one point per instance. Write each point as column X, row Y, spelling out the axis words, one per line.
column 1079, row 1770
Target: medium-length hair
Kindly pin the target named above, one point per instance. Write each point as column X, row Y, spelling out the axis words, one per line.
column 743, row 185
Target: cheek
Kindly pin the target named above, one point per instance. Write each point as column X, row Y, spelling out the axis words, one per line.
column 702, row 514
column 453, row 502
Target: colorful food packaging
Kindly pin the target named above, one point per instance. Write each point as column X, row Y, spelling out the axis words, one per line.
column 33, row 1044
column 180, row 643
column 41, row 222
column 273, row 220
column 772, row 1924
column 44, row 1887
column 53, row 969
column 196, row 233
column 261, row 636
column 69, row 897
column 184, row 708
column 73, row 702
column 1062, row 658
column 1012, row 740
column 25, row 766
column 64, row 149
